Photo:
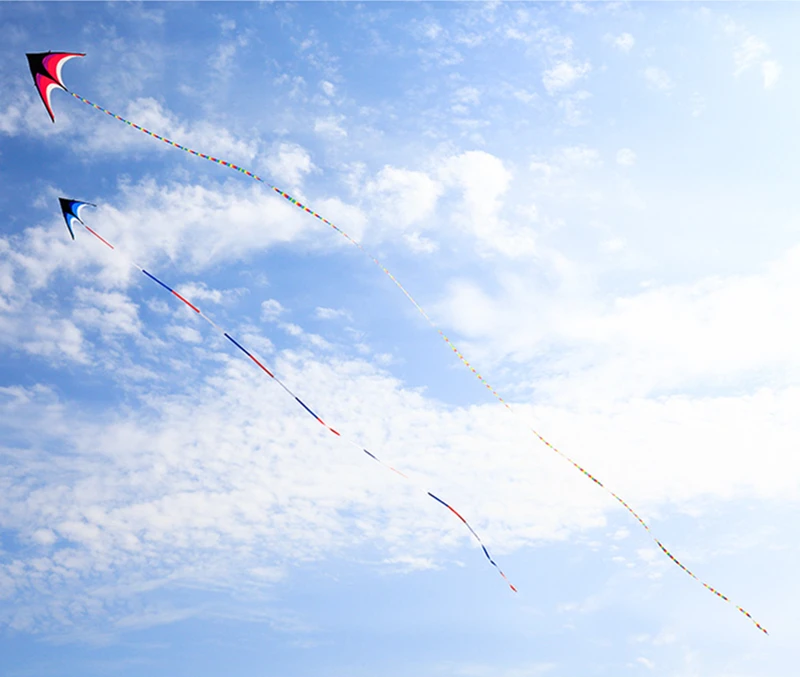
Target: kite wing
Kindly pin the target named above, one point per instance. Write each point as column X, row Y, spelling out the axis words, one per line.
column 46, row 71
column 70, row 210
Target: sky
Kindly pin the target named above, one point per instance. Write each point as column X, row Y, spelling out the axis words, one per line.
column 596, row 202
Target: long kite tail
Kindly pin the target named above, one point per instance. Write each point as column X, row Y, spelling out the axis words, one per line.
column 291, row 394
column 452, row 346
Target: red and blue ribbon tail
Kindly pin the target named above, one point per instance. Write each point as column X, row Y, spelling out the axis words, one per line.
column 477, row 538
column 296, row 398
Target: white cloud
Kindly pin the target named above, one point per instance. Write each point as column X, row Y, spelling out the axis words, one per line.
column 626, row 157
column 332, row 313
column 664, row 638
column 468, row 95
column 297, row 82
column 401, row 198
column 141, row 55
column 195, row 226
column 670, row 339
column 574, row 114
column 751, row 52
column 107, row 136
column 624, row 42
column 428, row 29
column 292, row 329
column 313, row 340
column 10, row 119
column 31, row 328
column 226, row 24
column 111, row 313
column 579, row 156
column 524, row 95
column 198, row 225
column 442, row 56
column 407, row 563
column 564, row 166
column 420, row 244
column 480, row 174
column 328, row 88
column 483, row 180
column 771, row 71
column 225, row 55
column 658, row 78
column 516, row 34
column 539, row 165
column 554, row 42
column 340, row 212
column 43, row 537
column 192, row 225
column 184, row 333
column 290, row 164
column 25, row 114
column 200, row 291
column 252, row 337
column 271, row 309
column 191, row 491
column 330, row 126
column 159, row 306
column 621, row 534
column 316, row 52
column 564, row 75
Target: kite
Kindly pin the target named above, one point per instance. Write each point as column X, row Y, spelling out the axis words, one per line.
column 68, row 208
column 60, row 57
column 46, row 72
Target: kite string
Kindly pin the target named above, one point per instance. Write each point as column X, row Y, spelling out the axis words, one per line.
column 461, row 357
column 304, row 405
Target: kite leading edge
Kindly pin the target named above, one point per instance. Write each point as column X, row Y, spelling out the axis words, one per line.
column 51, row 63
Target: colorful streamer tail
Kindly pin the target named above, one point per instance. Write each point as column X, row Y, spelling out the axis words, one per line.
column 460, row 356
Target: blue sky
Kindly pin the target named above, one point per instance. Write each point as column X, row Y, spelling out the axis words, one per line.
column 595, row 201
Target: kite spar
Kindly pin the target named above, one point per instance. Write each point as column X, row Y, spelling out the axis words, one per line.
column 70, row 208
column 50, row 63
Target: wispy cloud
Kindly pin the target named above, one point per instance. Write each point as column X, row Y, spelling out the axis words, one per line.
column 332, row 313
column 564, row 75
column 658, row 79
column 626, row 157
column 752, row 52
column 330, row 126
column 624, row 42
